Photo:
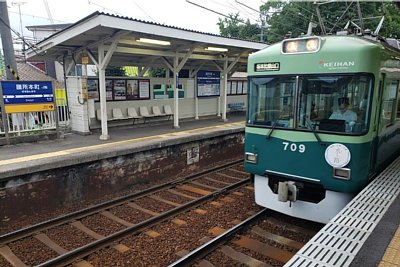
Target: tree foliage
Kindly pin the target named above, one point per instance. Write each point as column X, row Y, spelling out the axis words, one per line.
column 295, row 17
column 292, row 18
column 235, row 27
column 157, row 72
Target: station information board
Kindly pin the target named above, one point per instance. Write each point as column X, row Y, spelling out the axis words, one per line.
column 208, row 83
column 27, row 96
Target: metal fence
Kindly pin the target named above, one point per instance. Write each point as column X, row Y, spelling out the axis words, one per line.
column 19, row 123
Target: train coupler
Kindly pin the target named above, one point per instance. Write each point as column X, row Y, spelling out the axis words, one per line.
column 287, row 191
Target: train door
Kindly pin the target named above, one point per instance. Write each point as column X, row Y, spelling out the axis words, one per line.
column 375, row 129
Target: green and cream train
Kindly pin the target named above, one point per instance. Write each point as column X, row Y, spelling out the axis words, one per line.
column 323, row 120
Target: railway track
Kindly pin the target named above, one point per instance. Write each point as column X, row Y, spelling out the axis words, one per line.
column 101, row 225
column 261, row 240
column 159, row 226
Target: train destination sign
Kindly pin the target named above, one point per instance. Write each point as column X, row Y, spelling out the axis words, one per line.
column 269, row 66
column 27, row 96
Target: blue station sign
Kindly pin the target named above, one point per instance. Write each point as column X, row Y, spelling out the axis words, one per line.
column 24, row 96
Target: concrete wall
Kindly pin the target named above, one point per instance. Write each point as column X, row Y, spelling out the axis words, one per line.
column 80, row 180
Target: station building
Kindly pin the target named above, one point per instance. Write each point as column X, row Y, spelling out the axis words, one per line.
column 198, row 80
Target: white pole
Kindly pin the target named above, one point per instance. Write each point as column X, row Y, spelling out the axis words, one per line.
column 102, row 88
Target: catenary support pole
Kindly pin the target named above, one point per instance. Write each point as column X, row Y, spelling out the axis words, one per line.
column 6, row 40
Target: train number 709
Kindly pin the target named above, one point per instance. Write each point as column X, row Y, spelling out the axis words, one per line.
column 294, row 147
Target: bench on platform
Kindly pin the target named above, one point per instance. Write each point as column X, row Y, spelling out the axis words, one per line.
column 144, row 112
column 167, row 111
column 236, row 106
column 117, row 114
column 132, row 114
column 98, row 115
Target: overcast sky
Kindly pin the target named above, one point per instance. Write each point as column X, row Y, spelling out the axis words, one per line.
column 178, row 13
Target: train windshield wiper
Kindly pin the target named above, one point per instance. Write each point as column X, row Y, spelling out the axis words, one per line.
column 314, row 131
column 272, row 129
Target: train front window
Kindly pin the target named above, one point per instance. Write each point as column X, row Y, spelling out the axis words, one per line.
column 325, row 103
column 271, row 101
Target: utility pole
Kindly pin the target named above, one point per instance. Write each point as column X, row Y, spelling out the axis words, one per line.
column 263, row 25
column 6, row 40
column 19, row 4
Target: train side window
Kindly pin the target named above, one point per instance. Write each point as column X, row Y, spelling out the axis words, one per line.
column 389, row 109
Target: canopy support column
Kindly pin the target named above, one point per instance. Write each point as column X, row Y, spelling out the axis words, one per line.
column 177, row 66
column 102, row 90
column 223, row 89
column 225, row 72
column 102, row 65
column 176, row 97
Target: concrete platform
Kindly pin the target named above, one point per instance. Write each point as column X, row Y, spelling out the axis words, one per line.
column 23, row 158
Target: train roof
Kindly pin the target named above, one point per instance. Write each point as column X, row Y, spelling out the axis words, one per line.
column 326, row 54
column 339, row 42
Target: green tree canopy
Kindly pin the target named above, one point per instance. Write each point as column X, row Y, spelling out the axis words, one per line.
column 292, row 18
column 295, row 17
column 236, row 27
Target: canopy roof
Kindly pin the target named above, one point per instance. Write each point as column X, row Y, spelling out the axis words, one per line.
column 106, row 30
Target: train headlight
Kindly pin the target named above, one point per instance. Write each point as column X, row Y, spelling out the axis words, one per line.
column 312, row 44
column 301, row 45
column 291, row 47
column 342, row 173
column 251, row 157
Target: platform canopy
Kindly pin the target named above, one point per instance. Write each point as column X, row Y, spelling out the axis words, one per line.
column 121, row 41
column 104, row 29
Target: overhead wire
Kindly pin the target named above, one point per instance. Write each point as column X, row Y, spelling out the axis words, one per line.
column 143, row 11
column 31, row 46
column 216, row 12
column 90, row 2
column 310, row 12
column 338, row 20
column 245, row 10
column 35, row 16
column 250, row 15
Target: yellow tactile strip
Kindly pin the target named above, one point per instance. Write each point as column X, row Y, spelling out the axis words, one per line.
column 392, row 254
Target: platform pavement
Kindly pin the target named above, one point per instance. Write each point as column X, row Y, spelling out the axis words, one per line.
column 117, row 133
column 382, row 248
column 365, row 233
column 26, row 158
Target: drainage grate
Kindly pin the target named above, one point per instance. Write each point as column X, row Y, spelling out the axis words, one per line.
column 340, row 240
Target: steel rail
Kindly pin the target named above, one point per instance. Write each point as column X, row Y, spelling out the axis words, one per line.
column 86, row 250
column 210, row 246
column 27, row 231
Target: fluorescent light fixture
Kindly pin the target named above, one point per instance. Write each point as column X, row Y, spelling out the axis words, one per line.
column 218, row 49
column 153, row 41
